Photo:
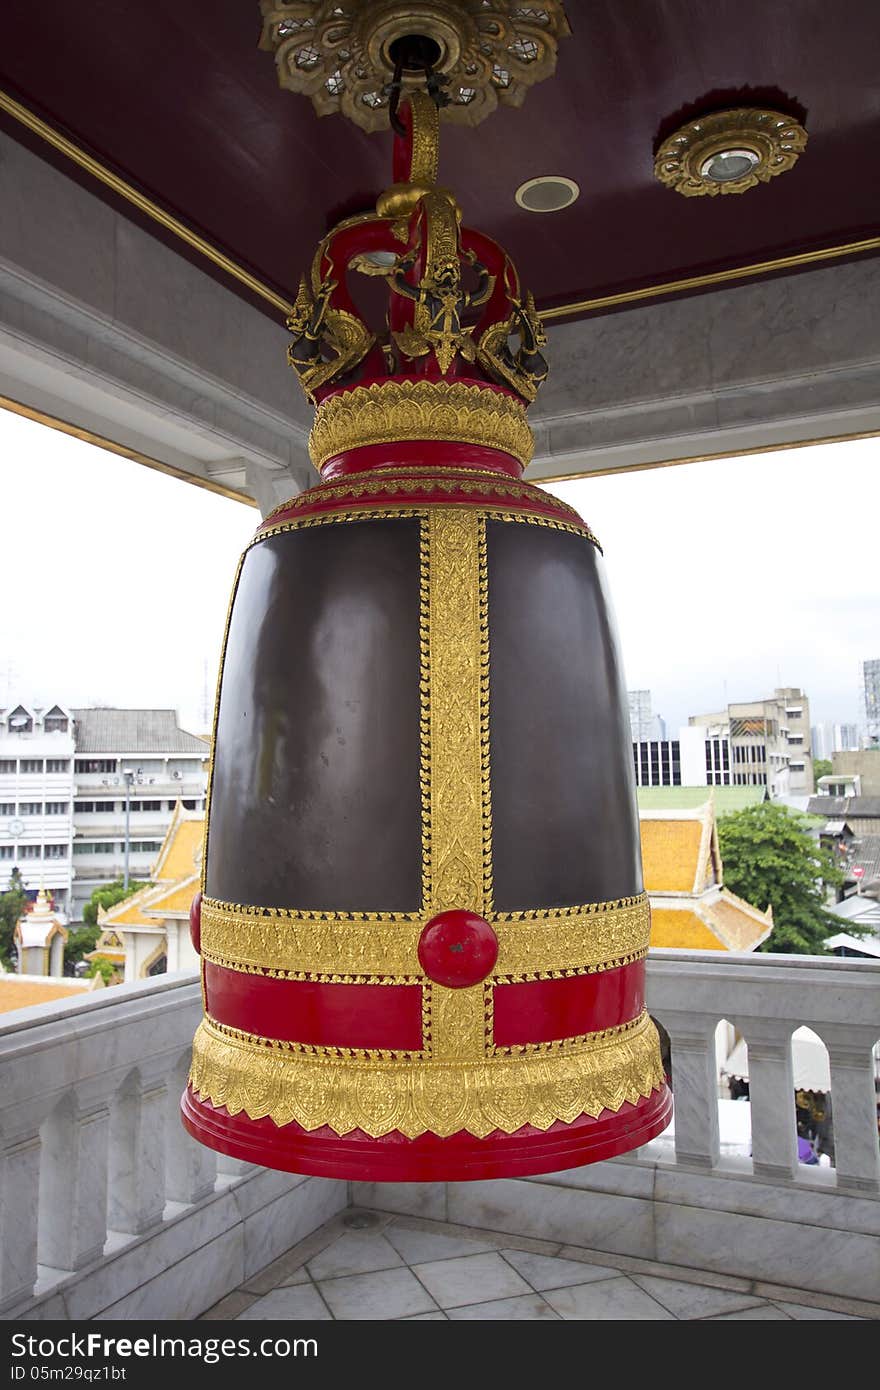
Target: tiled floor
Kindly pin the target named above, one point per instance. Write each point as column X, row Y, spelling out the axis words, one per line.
column 369, row 1265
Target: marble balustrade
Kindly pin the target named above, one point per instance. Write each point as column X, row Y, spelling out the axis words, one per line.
column 108, row 1209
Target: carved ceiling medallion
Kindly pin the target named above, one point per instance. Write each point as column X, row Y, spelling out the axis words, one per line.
column 729, row 152
column 339, row 52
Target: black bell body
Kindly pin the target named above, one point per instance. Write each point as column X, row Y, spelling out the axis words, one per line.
column 423, row 927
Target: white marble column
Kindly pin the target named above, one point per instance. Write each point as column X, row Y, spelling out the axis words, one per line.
column 73, row 1179
column 136, row 1193
column 190, row 1167
column 19, row 1194
column 694, row 1086
column 771, row 1093
column 854, row 1106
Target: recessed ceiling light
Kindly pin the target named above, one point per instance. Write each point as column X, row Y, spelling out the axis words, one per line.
column 729, row 164
column 729, row 151
column 548, row 193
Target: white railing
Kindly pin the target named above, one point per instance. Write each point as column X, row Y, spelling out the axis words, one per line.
column 93, row 1158
column 766, row 997
column 100, row 1185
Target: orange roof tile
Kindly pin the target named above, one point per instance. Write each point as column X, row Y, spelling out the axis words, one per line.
column 682, row 929
column 670, row 854
column 19, row 993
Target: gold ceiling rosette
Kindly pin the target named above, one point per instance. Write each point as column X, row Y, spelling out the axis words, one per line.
column 729, row 151
column 341, row 52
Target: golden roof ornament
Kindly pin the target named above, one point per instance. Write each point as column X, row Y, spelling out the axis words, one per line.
column 346, row 54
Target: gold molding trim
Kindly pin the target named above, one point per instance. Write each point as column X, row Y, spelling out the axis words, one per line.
column 389, row 412
column 100, row 441
column 125, row 190
column 773, row 139
column 601, row 1072
column 391, row 512
column 384, row 946
column 718, row 277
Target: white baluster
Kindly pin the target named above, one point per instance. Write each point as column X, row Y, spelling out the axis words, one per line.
column 19, row 1194
column 694, row 1086
column 190, row 1168
column 853, row 1105
column 136, row 1194
column 771, row 1093
column 234, row 1167
column 73, row 1178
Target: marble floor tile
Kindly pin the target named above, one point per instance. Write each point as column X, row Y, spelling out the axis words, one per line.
column 426, row 1317
column 547, row 1272
column 686, row 1300
column 803, row 1312
column 354, row 1252
column 418, row 1247
column 528, row 1307
column 289, row 1304
column 296, row 1276
column 470, row 1279
column 607, row 1300
column 763, row 1312
column 385, row 1293
column 232, row 1306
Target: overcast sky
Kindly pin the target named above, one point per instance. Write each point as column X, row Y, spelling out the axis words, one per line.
column 728, row 577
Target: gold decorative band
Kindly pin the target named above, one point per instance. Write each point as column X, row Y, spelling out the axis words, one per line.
column 602, row 1072
column 389, row 412
column 385, row 945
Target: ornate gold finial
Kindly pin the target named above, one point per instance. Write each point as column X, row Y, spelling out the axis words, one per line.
column 341, row 53
column 729, row 152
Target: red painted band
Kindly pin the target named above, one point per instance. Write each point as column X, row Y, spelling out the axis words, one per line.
column 413, row 452
column 394, row 1158
column 322, row 1015
column 548, row 1010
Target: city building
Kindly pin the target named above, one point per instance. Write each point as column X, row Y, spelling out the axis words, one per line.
column 78, row 786
column 699, row 757
column 641, row 719
column 862, row 766
column 827, row 738
column 36, row 799
column 769, row 741
column 132, row 766
column 871, row 702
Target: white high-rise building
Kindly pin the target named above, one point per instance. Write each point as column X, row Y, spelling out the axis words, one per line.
column 82, row 791
column 871, row 702
column 36, row 799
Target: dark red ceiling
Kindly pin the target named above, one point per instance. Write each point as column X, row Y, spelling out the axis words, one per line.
column 175, row 96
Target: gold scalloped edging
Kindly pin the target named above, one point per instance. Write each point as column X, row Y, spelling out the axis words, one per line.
column 407, row 482
column 605, row 1072
column 389, row 412
column 384, row 946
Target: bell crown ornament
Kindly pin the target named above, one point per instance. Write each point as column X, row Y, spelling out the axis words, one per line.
column 422, row 924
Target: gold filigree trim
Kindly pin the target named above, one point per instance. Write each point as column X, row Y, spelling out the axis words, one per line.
column 425, row 705
column 392, row 512
column 602, row 1072
column 408, row 482
column 391, row 411
column 385, row 945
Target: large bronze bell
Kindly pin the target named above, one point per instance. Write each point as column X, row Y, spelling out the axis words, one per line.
column 423, row 928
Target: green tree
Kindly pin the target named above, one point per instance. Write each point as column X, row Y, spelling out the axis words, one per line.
column 821, row 768
column 81, row 940
column 12, row 906
column 771, row 859
column 108, row 896
column 103, row 967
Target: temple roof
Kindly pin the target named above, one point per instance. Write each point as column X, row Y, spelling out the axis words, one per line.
column 22, row 991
